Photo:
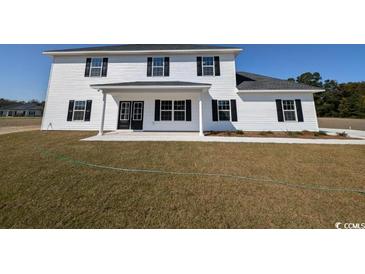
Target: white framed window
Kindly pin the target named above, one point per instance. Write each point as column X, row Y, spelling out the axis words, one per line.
column 208, row 66
column 137, row 111
column 96, row 67
column 289, row 110
column 173, row 110
column 157, row 66
column 79, row 111
column 224, row 110
column 179, row 110
column 166, row 110
column 124, row 111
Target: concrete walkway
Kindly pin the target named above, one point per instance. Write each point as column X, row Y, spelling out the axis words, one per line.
column 118, row 136
column 7, row 130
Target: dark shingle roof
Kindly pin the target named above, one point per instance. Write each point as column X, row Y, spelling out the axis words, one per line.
column 145, row 47
column 153, row 83
column 27, row 106
column 251, row 81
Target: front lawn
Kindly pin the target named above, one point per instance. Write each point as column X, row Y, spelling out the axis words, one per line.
column 43, row 184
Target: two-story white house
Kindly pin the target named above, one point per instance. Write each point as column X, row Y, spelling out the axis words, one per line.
column 169, row 88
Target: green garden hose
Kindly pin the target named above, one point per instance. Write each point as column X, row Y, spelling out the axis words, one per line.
column 70, row 160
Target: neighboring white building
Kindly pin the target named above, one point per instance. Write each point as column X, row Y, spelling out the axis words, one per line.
column 169, row 88
column 22, row 110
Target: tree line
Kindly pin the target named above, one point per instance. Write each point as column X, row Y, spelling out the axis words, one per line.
column 345, row 100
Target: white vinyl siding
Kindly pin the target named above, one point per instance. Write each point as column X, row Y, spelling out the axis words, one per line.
column 255, row 111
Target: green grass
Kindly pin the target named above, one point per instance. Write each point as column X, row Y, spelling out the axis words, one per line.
column 39, row 190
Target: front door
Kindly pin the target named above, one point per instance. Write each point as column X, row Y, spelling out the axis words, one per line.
column 131, row 115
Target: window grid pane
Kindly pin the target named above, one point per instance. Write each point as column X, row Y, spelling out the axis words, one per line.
column 78, row 115
column 96, row 62
column 179, row 115
column 166, row 115
column 224, row 115
column 289, row 115
column 157, row 71
column 179, row 105
column 166, row 105
column 223, row 105
column 137, row 111
column 124, row 113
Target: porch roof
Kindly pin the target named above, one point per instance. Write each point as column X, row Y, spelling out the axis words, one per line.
column 151, row 85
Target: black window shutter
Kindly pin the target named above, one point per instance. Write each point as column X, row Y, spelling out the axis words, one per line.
column 199, row 66
column 104, row 71
column 88, row 110
column 298, row 104
column 217, row 66
column 149, row 66
column 157, row 110
column 70, row 110
column 87, row 67
column 188, row 110
column 234, row 110
column 215, row 110
column 167, row 66
column 279, row 110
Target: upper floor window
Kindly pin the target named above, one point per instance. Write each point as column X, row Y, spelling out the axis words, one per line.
column 96, row 67
column 158, row 66
column 289, row 110
column 208, row 66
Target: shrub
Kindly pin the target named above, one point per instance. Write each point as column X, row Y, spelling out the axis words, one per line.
column 240, row 132
column 342, row 134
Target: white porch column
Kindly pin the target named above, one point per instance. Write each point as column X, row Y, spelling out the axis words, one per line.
column 101, row 130
column 201, row 114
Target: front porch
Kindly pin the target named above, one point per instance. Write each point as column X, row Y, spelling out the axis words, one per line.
column 152, row 106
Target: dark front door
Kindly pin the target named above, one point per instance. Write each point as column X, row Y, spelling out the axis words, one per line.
column 131, row 115
column 137, row 115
